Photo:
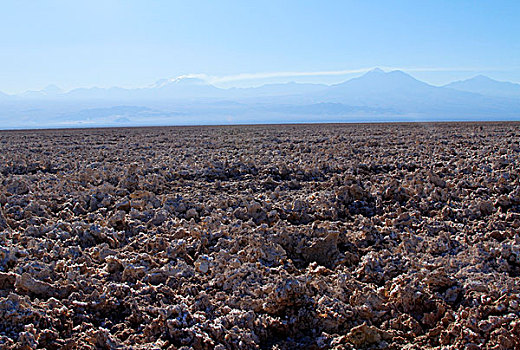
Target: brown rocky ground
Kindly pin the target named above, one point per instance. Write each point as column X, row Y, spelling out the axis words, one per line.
column 272, row 237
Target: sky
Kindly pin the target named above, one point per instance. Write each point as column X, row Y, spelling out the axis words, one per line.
column 246, row 43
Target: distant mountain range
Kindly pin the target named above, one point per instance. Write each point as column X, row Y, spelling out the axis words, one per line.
column 374, row 96
column 51, row 91
column 487, row 86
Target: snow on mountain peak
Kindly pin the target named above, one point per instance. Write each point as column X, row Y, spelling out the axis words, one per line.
column 187, row 79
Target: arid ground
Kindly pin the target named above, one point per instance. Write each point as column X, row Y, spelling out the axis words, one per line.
column 382, row 236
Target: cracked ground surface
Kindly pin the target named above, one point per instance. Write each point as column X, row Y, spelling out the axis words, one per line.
column 381, row 236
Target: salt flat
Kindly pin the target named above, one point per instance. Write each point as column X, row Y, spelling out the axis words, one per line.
column 269, row 236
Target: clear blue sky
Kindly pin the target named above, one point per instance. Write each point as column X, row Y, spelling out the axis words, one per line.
column 134, row 43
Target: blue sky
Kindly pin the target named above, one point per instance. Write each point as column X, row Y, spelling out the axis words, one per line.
column 134, row 43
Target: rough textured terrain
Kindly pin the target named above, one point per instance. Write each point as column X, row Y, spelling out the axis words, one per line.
column 272, row 237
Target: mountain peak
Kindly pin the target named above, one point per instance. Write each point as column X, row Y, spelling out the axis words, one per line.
column 481, row 77
column 376, row 70
column 52, row 89
column 382, row 77
column 188, row 79
column 484, row 85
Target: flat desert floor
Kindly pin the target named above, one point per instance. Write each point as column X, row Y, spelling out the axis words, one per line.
column 340, row 236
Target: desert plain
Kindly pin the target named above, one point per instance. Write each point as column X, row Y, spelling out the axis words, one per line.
column 323, row 236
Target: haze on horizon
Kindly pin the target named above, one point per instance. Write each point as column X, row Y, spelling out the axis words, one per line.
column 232, row 43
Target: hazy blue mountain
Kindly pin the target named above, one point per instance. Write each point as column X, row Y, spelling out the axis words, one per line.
column 115, row 113
column 283, row 89
column 374, row 96
column 54, row 116
column 481, row 84
column 51, row 91
column 327, row 108
column 377, row 87
column 192, row 88
column 183, row 87
column 95, row 93
column 401, row 92
column 178, row 88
